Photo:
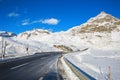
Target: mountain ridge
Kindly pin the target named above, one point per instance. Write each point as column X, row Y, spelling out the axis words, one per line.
column 92, row 34
column 103, row 22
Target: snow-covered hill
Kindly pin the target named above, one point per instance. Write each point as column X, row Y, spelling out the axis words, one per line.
column 103, row 22
column 102, row 35
column 102, row 32
column 62, row 41
column 17, row 48
column 100, row 64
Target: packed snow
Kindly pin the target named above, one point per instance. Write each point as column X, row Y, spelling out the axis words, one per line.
column 70, row 75
column 17, row 48
column 96, row 62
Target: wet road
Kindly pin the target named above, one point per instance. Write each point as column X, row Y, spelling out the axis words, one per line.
column 36, row 67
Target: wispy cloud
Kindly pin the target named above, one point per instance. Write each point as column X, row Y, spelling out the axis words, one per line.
column 13, row 14
column 36, row 21
column 50, row 21
column 25, row 22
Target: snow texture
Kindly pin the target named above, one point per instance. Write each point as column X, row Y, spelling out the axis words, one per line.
column 96, row 62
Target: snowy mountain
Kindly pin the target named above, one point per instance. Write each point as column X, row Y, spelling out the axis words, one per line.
column 7, row 34
column 103, row 22
column 102, row 36
column 102, row 32
column 62, row 41
column 34, row 33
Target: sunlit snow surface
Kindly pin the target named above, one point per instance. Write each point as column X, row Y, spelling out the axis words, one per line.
column 17, row 47
column 96, row 62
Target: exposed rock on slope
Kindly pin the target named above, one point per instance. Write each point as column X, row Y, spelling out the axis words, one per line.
column 103, row 22
column 102, row 31
column 63, row 48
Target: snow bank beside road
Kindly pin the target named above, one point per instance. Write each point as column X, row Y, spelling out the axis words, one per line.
column 67, row 74
column 96, row 62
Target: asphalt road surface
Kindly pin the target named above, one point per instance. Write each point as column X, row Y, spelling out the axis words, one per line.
column 36, row 67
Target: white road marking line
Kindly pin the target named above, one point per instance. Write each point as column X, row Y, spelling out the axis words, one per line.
column 19, row 66
column 41, row 78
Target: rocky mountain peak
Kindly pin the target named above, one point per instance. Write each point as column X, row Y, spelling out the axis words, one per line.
column 103, row 22
column 102, row 14
column 103, row 17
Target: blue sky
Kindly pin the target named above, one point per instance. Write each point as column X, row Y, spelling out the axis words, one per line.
column 57, row 15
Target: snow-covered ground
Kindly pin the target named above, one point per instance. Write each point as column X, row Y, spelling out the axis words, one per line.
column 96, row 62
column 17, row 48
column 51, row 39
column 69, row 74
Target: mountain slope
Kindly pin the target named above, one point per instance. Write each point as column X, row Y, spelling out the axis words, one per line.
column 103, row 22
column 102, row 31
column 17, row 48
column 59, row 40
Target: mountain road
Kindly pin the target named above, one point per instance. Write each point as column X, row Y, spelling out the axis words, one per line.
column 41, row 66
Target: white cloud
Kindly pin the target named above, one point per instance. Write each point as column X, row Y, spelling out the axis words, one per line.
column 51, row 21
column 36, row 21
column 25, row 22
column 13, row 14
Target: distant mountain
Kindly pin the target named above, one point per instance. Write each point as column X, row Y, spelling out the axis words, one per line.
column 7, row 34
column 100, row 31
column 62, row 41
column 103, row 22
column 33, row 33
